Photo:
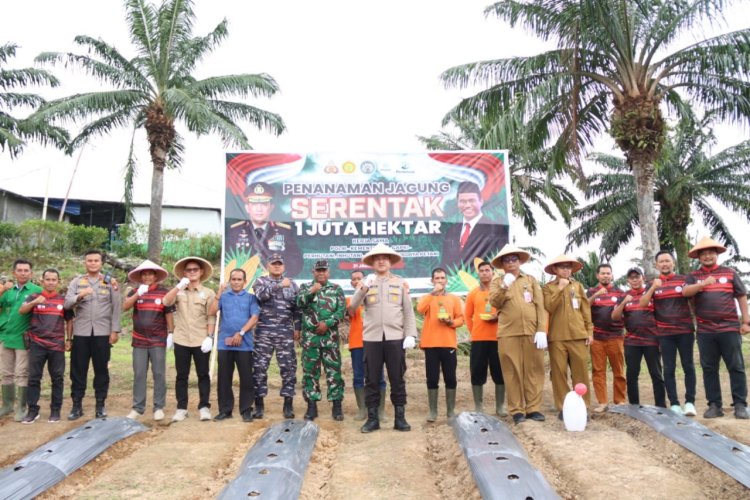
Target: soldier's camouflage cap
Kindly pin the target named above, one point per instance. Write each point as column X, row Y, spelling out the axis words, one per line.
column 321, row 264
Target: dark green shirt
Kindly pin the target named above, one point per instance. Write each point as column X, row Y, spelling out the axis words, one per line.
column 12, row 323
column 327, row 306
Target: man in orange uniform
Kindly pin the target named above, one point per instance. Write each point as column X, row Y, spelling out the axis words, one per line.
column 481, row 320
column 571, row 330
column 443, row 313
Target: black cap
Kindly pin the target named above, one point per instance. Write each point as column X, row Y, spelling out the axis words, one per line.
column 259, row 192
column 321, row 264
column 636, row 270
column 277, row 257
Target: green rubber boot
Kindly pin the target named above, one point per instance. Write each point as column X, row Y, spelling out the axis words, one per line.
column 21, row 393
column 359, row 395
column 432, row 397
column 9, row 397
column 450, row 402
column 478, row 392
column 500, row 400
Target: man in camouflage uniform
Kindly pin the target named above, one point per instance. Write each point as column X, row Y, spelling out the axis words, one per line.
column 277, row 329
column 323, row 306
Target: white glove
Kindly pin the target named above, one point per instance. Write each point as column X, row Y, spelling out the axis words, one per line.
column 370, row 280
column 508, row 279
column 183, row 284
column 142, row 289
column 207, row 344
column 540, row 339
column 410, row 342
column 170, row 341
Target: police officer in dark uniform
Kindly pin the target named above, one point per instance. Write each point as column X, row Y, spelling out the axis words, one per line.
column 259, row 235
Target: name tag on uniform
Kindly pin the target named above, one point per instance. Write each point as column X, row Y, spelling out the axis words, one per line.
column 576, row 305
column 527, row 297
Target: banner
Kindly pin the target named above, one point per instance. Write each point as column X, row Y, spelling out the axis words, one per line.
column 437, row 209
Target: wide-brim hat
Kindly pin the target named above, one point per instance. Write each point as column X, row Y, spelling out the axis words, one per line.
column 562, row 259
column 704, row 244
column 207, row 270
column 509, row 249
column 381, row 249
column 135, row 275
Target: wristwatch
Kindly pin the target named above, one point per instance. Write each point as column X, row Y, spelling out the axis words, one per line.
column 242, row 333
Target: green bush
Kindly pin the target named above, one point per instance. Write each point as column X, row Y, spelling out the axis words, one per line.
column 8, row 233
column 207, row 246
column 130, row 241
column 40, row 234
column 82, row 238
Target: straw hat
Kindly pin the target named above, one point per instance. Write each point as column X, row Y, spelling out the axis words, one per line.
column 562, row 259
column 135, row 275
column 381, row 249
column 207, row 270
column 705, row 243
column 509, row 249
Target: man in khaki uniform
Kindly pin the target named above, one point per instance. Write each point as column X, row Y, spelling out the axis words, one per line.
column 571, row 330
column 193, row 332
column 521, row 333
column 389, row 328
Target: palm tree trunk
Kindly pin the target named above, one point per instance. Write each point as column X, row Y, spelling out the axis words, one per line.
column 681, row 247
column 154, row 221
column 644, row 191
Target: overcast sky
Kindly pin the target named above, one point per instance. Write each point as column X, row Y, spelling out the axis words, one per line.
column 354, row 76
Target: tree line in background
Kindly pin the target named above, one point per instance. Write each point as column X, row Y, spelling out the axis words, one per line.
column 613, row 69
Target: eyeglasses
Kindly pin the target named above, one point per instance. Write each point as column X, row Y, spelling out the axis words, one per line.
column 192, row 269
column 510, row 258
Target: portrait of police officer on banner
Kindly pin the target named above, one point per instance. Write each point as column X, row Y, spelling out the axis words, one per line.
column 260, row 235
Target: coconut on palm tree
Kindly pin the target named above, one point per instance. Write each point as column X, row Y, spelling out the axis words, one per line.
column 615, row 68
column 156, row 89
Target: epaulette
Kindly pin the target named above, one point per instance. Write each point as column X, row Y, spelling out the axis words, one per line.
column 237, row 224
column 282, row 225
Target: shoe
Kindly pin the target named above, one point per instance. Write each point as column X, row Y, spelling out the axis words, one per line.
column 337, row 413
column 54, row 416
column 312, row 410
column 205, row 413
column 399, row 421
column 32, row 416
column 372, row 423
column 676, row 409
column 100, row 411
column 288, row 407
column 740, row 411
column 518, row 418
column 602, row 408
column 159, row 414
column 535, row 416
column 259, row 409
column 560, row 416
column 247, row 416
column 222, row 416
column 179, row 415
column 713, row 411
column 133, row 415
column 76, row 412
column 690, row 410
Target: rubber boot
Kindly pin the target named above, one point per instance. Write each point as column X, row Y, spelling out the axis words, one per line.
column 100, row 411
column 9, row 398
column 312, row 410
column 288, row 407
column 381, row 408
column 336, row 412
column 478, row 392
column 21, row 393
column 359, row 395
column 450, row 402
column 259, row 409
column 76, row 411
column 399, row 421
column 372, row 423
column 432, row 397
column 500, row 400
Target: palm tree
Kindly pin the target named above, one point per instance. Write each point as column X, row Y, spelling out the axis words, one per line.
column 14, row 132
column 688, row 184
column 156, row 88
column 531, row 181
column 612, row 70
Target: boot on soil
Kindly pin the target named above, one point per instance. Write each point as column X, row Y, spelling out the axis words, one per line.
column 337, row 413
column 359, row 395
column 76, row 411
column 432, row 398
column 450, row 402
column 477, row 391
column 9, row 398
column 372, row 423
column 312, row 410
column 259, row 408
column 31, row 416
column 21, row 393
column 500, row 400
column 399, row 421
column 100, row 411
column 288, row 407
column 381, row 408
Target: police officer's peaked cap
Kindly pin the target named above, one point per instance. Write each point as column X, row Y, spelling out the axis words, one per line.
column 259, row 192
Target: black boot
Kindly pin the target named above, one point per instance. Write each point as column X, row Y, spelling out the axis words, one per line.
column 337, row 413
column 372, row 423
column 288, row 408
column 77, row 411
column 400, row 423
column 312, row 410
column 101, row 412
column 258, row 413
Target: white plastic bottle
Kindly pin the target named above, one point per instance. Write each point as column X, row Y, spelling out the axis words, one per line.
column 574, row 409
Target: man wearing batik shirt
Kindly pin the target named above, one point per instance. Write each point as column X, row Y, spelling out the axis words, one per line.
column 674, row 329
column 640, row 339
column 715, row 289
column 608, row 341
column 46, row 336
column 150, row 335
